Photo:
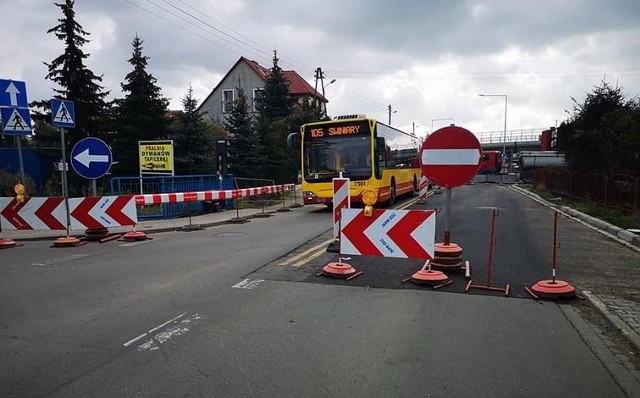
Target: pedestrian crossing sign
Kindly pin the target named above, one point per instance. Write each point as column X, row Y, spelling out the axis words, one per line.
column 15, row 121
column 62, row 113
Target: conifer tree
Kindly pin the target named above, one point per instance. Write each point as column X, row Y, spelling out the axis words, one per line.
column 245, row 157
column 76, row 83
column 141, row 114
column 275, row 108
column 194, row 143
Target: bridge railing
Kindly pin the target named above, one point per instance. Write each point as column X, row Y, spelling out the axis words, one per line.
column 498, row 137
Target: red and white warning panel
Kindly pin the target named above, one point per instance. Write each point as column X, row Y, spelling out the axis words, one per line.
column 84, row 213
column 341, row 200
column 388, row 233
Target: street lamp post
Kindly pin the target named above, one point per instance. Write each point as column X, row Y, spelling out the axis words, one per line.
column 504, row 138
column 436, row 120
column 391, row 112
column 325, row 100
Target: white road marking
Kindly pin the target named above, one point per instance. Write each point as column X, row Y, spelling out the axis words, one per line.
column 128, row 343
column 246, row 284
column 132, row 243
column 177, row 329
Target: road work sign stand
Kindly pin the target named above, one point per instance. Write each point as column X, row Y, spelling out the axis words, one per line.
column 450, row 158
column 552, row 288
column 489, row 263
column 341, row 200
column 427, row 276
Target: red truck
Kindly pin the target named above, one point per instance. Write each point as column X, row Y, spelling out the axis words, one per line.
column 490, row 162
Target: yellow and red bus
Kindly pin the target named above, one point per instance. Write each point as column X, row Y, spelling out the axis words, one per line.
column 346, row 146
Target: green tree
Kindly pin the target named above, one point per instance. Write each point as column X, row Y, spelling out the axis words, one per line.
column 193, row 140
column 77, row 82
column 245, row 152
column 273, row 128
column 140, row 115
column 603, row 132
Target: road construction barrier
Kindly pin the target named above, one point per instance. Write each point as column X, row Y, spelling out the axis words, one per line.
column 84, row 213
column 98, row 212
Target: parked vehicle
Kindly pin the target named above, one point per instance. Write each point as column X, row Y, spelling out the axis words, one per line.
column 490, row 162
column 526, row 162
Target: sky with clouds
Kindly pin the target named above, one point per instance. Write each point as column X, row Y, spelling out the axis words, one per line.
column 428, row 59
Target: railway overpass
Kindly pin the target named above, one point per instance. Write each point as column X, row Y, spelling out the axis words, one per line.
column 516, row 140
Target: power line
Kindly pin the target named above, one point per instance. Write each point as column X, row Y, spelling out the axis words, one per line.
column 179, row 26
column 216, row 29
column 196, row 26
column 247, row 38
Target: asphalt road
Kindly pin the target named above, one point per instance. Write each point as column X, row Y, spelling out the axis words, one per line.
column 238, row 310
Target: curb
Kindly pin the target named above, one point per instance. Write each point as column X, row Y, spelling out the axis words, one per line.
column 626, row 330
column 618, row 234
column 611, row 231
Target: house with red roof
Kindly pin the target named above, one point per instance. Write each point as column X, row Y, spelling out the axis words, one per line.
column 252, row 77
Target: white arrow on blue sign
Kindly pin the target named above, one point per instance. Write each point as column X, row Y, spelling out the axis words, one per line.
column 14, row 108
column 62, row 113
column 91, row 158
column 13, row 93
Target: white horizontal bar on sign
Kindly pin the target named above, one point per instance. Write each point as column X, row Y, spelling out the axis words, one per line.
column 450, row 157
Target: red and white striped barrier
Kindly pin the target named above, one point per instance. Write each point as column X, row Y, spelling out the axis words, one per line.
column 159, row 198
column 84, row 213
column 341, row 200
column 179, row 197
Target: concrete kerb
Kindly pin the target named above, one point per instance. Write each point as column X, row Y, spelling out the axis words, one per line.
column 611, row 231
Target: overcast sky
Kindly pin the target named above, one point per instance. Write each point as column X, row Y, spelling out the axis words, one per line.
column 427, row 59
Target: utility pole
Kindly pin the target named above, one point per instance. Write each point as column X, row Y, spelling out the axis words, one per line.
column 320, row 76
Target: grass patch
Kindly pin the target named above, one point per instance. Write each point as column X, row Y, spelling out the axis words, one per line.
column 618, row 217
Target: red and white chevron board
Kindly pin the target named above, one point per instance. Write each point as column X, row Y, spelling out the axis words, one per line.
column 179, row 197
column 388, row 233
column 84, row 213
column 341, row 200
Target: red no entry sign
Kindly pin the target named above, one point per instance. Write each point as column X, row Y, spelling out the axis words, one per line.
column 450, row 156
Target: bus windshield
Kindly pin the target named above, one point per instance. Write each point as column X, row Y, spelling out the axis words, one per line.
column 325, row 158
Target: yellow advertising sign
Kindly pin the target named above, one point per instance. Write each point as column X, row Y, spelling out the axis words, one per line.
column 156, row 157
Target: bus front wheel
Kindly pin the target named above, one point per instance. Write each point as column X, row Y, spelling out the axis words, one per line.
column 392, row 194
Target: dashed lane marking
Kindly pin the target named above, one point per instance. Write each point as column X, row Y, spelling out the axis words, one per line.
column 247, row 284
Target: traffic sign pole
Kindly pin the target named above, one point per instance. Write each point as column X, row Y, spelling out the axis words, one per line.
column 447, row 218
column 65, row 188
column 20, row 161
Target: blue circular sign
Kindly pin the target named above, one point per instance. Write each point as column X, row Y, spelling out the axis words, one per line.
column 91, row 158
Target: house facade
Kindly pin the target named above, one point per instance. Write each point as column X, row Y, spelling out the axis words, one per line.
column 252, row 77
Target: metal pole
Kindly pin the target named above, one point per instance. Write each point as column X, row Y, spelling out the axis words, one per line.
column 65, row 188
column 94, row 187
column 447, row 218
column 19, row 142
column 504, row 141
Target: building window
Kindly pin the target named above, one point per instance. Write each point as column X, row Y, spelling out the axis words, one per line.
column 258, row 96
column 227, row 101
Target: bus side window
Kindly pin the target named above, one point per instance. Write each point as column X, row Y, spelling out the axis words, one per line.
column 380, row 156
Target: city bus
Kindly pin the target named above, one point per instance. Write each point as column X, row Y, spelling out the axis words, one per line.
column 371, row 154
